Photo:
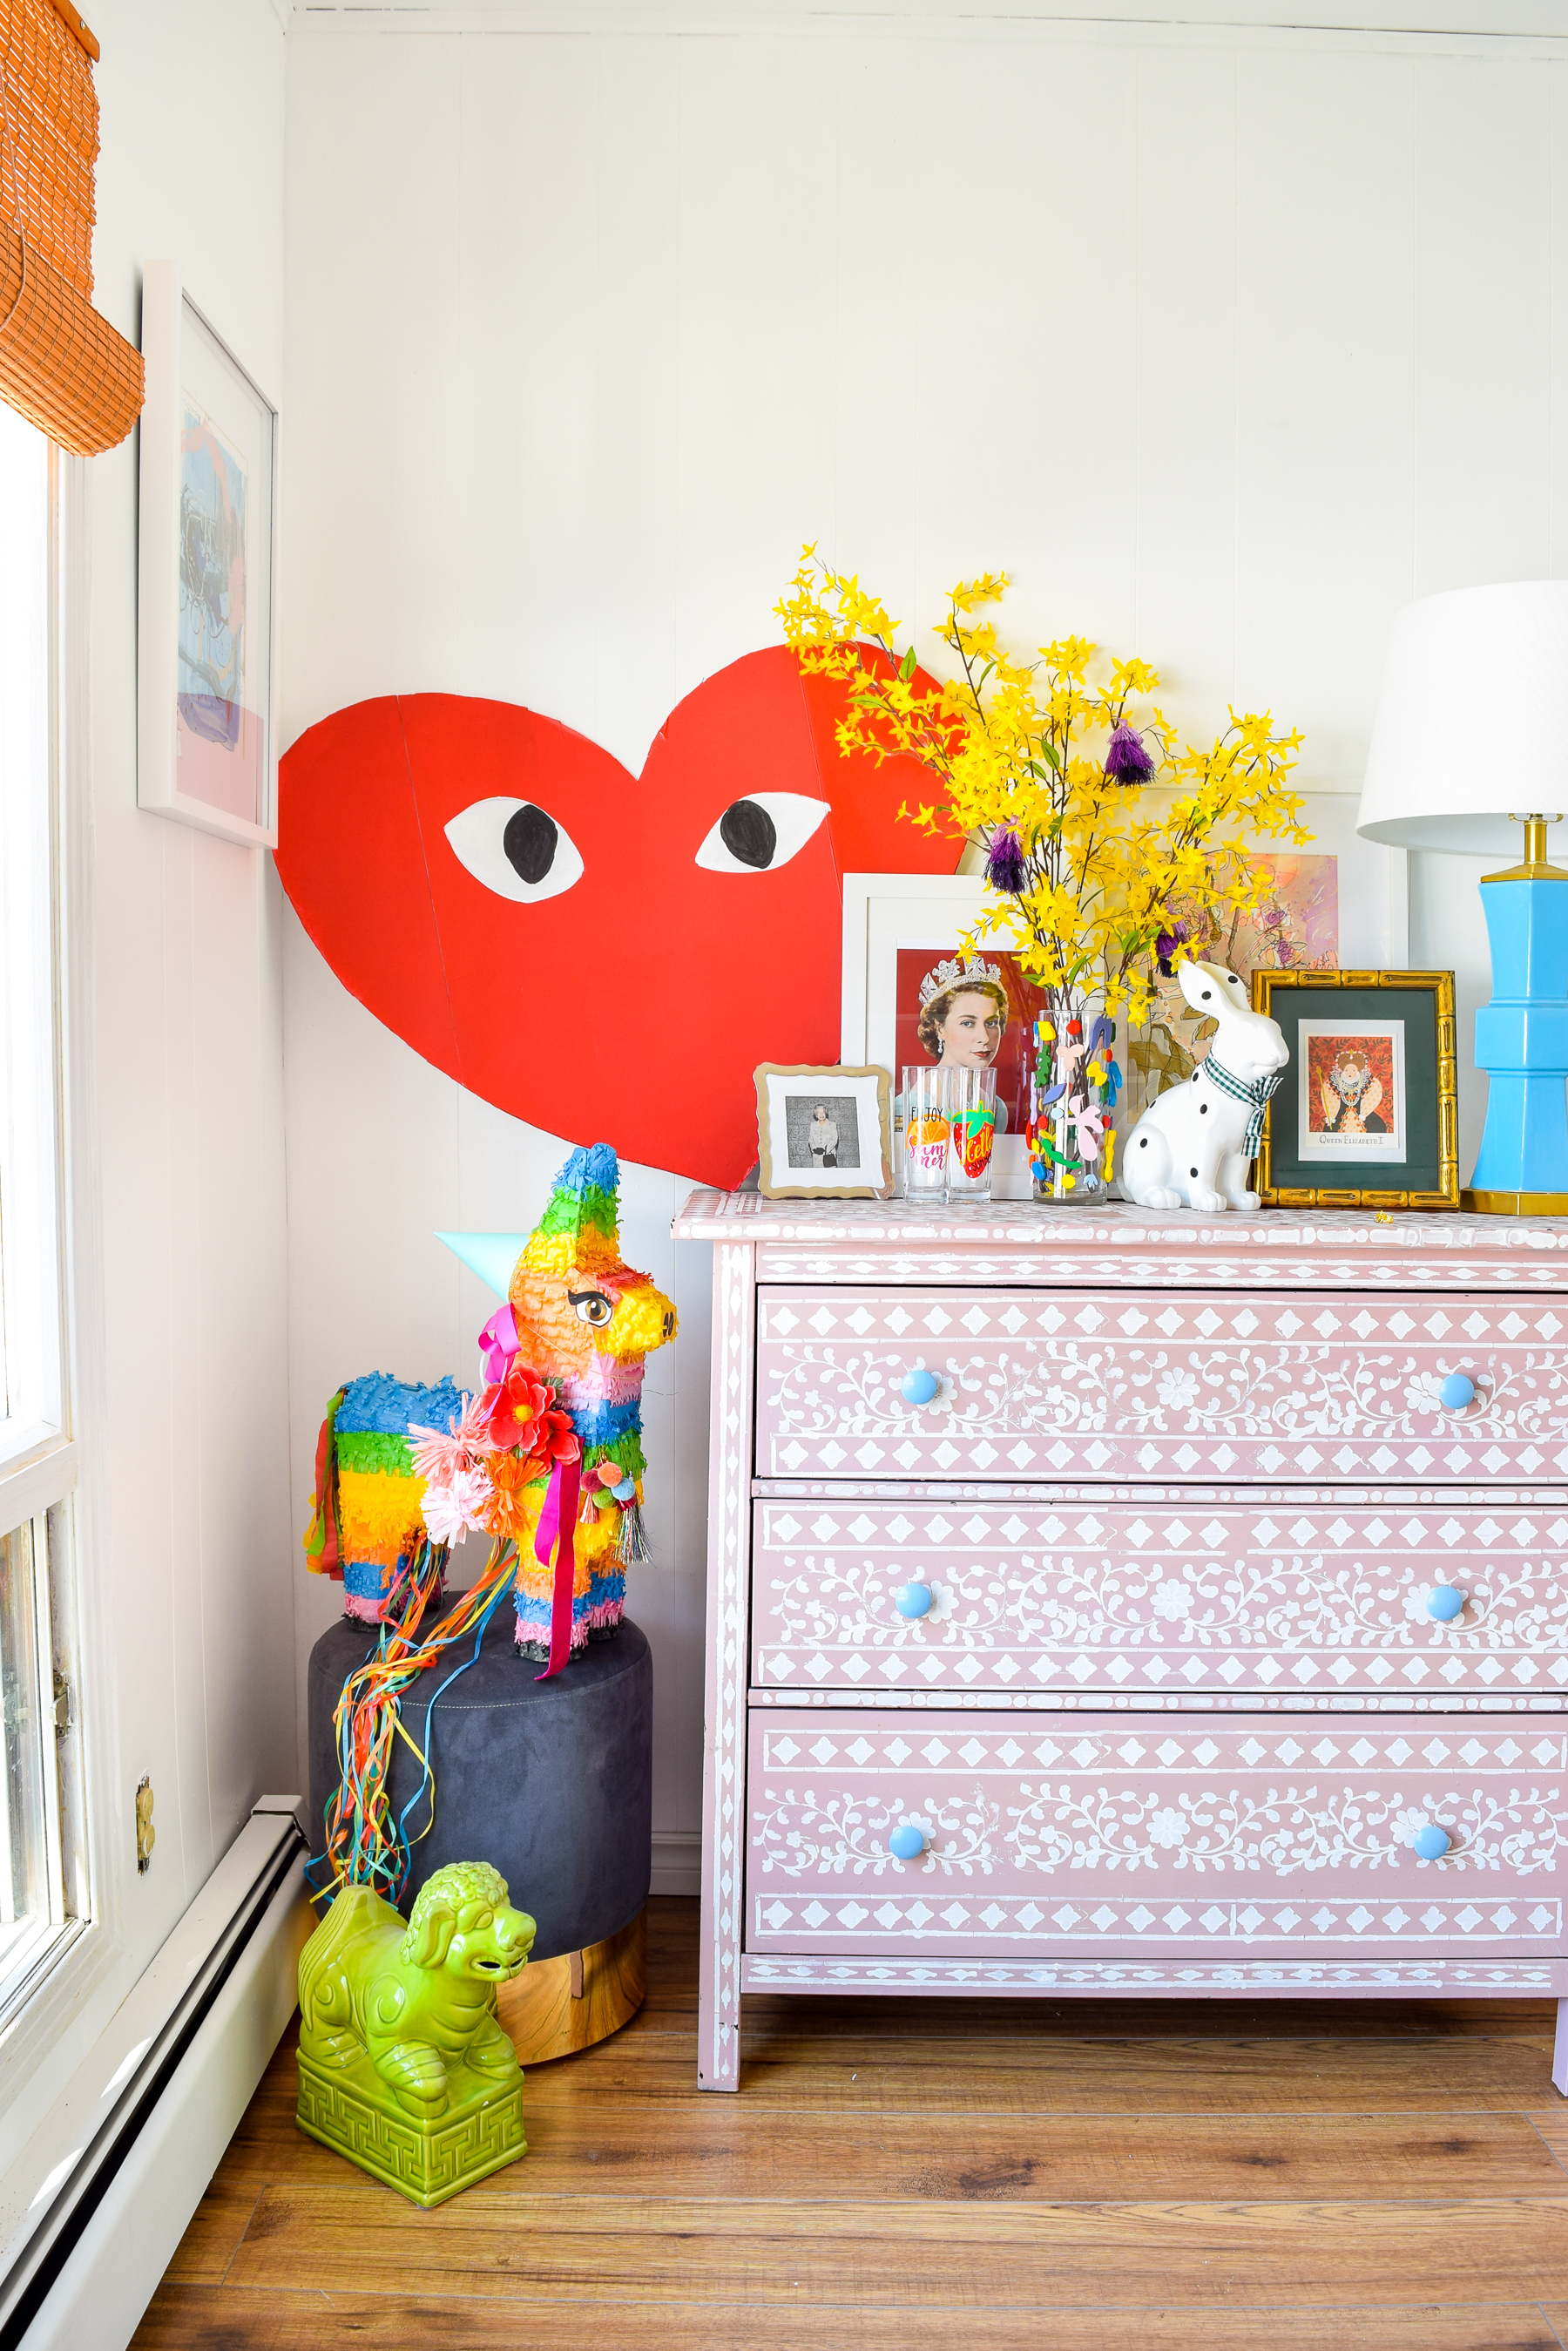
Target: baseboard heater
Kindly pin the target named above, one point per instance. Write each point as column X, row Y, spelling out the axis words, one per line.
column 265, row 1861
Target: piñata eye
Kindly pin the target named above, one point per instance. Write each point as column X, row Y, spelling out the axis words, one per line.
column 759, row 834
column 592, row 1305
column 516, row 849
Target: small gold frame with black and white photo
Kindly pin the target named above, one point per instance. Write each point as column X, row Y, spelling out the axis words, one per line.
column 824, row 1133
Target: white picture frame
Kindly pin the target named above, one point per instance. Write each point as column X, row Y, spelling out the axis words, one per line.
column 207, row 675
column 1386, row 1140
column 885, row 912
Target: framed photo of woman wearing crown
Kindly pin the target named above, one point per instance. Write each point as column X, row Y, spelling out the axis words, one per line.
column 912, row 997
column 967, row 1012
column 1369, row 1117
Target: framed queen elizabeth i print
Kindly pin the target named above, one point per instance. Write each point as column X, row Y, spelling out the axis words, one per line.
column 1367, row 1116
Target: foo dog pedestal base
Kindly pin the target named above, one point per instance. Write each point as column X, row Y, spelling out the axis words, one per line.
column 557, row 2007
column 426, row 2162
column 550, row 1782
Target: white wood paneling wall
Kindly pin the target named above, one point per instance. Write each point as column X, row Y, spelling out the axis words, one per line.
column 189, row 1010
column 1225, row 343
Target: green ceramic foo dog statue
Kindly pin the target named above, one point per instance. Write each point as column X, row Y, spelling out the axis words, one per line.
column 403, row 2065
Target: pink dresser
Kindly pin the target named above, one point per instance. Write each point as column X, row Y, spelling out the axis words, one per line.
column 1111, row 1602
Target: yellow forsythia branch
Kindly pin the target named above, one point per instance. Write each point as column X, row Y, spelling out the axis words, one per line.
column 1107, row 843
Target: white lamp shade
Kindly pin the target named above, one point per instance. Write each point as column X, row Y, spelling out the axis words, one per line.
column 1472, row 722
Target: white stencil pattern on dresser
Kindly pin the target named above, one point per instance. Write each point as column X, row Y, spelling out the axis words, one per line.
column 1181, row 1499
column 1002, row 1243
column 1191, row 1386
column 1030, row 1835
column 1297, row 1594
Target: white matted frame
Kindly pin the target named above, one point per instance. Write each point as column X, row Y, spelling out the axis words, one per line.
column 882, row 913
column 787, row 1095
column 207, row 606
column 881, row 910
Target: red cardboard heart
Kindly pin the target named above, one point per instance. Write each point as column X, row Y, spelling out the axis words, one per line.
column 534, row 920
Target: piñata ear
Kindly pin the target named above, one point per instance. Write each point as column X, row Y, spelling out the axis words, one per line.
column 579, row 1230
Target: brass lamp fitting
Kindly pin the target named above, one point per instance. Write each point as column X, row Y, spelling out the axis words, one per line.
column 1535, row 867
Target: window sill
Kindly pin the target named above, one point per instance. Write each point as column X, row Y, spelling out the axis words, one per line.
column 46, row 2009
column 38, row 1467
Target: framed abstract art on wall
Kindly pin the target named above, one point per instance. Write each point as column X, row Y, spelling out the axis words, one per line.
column 207, row 584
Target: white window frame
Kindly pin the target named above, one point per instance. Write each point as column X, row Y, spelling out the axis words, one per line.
column 55, row 1469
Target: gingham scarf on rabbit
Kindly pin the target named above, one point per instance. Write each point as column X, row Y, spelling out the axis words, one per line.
column 1258, row 1092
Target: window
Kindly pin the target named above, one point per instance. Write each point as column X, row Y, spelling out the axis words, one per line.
column 43, row 1892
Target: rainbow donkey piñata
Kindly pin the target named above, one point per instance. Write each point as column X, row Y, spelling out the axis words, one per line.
column 547, row 1459
column 582, row 1319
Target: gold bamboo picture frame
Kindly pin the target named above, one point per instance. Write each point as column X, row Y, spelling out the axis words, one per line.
column 1322, row 1004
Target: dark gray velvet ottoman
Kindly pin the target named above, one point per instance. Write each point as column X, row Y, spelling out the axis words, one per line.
column 551, row 1782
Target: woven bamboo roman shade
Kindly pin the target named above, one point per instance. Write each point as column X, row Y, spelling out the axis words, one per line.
column 62, row 366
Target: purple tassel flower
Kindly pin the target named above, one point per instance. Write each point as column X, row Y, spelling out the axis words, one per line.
column 1005, row 867
column 1126, row 761
column 1164, row 946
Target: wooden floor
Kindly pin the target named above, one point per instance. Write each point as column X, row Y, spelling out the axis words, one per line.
column 965, row 2175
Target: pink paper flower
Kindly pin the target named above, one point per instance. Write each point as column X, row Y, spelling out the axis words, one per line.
column 456, row 1509
column 452, row 1465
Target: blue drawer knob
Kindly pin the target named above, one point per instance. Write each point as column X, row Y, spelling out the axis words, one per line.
column 1456, row 1392
column 1430, row 1842
column 913, row 1599
column 906, row 1843
column 918, row 1387
column 1443, row 1604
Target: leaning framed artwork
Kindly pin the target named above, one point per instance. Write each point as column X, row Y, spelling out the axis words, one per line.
column 206, row 748
column 902, row 965
column 1367, row 1116
column 1338, row 903
column 823, row 1133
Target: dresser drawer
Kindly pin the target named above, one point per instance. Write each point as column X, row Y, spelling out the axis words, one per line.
column 1145, row 1596
column 1115, row 1834
column 1204, row 1387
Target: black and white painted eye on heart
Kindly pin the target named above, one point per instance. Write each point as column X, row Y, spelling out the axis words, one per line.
column 762, row 832
column 516, row 849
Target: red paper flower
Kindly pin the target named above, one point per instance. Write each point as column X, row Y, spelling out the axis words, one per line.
column 521, row 1414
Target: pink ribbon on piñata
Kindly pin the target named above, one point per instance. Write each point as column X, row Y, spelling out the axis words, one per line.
column 556, row 1521
column 500, row 1342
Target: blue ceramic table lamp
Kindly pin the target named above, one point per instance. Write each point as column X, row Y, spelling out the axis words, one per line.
column 1472, row 742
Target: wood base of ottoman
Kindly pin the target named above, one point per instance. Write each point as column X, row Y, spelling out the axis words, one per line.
column 557, row 2006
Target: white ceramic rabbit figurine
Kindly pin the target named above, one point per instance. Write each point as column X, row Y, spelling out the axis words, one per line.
column 1195, row 1143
